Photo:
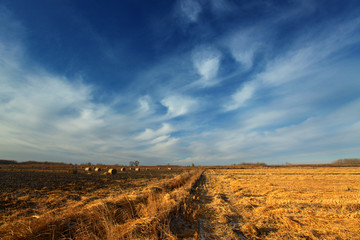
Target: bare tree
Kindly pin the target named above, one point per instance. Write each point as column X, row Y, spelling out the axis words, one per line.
column 134, row 163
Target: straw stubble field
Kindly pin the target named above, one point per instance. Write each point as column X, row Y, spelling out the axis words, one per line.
column 281, row 203
column 184, row 203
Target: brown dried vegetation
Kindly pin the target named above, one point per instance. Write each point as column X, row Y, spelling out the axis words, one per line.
column 282, row 203
column 122, row 206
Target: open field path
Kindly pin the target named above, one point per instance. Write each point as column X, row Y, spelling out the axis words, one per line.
column 216, row 218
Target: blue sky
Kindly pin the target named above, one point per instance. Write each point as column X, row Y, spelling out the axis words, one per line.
column 190, row 81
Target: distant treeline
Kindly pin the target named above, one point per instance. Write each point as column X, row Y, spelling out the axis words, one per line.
column 8, row 161
column 257, row 164
column 347, row 161
column 2, row 161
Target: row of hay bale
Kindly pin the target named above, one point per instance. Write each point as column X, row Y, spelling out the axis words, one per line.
column 111, row 171
column 114, row 171
column 89, row 169
column 123, row 169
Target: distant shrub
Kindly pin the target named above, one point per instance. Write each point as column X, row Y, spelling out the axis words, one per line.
column 45, row 163
column 347, row 161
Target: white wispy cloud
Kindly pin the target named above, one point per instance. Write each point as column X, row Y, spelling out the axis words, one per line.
column 244, row 44
column 206, row 60
column 150, row 134
column 144, row 104
column 307, row 57
column 160, row 139
column 239, row 98
column 315, row 136
column 45, row 116
column 179, row 105
column 310, row 51
column 189, row 9
column 265, row 118
column 145, row 107
column 165, row 147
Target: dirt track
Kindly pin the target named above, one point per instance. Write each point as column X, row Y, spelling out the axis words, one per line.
column 217, row 218
column 207, row 214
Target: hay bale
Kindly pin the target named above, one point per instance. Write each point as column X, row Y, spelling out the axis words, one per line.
column 169, row 168
column 147, row 169
column 97, row 169
column 130, row 169
column 112, row 171
column 137, row 169
column 73, row 171
column 88, row 169
column 122, row 169
column 159, row 168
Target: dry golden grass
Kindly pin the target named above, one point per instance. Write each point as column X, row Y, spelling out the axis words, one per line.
column 135, row 213
column 284, row 203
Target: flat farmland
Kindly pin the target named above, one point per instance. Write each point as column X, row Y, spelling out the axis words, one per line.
column 281, row 203
column 250, row 202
